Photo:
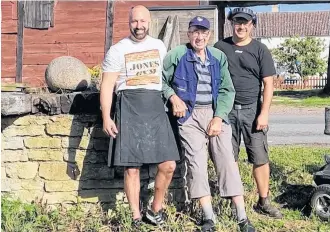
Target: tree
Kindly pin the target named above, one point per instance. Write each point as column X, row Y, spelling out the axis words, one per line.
column 301, row 55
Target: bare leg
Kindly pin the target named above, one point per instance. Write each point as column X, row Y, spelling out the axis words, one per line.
column 240, row 207
column 132, row 190
column 261, row 174
column 206, row 203
column 162, row 181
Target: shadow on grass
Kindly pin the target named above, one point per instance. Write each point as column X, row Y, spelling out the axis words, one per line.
column 301, row 94
column 312, row 168
column 295, row 197
column 292, row 196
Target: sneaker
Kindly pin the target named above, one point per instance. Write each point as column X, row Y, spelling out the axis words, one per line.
column 136, row 224
column 246, row 226
column 207, row 226
column 156, row 218
column 268, row 209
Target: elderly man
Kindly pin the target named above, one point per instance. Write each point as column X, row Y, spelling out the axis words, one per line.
column 250, row 66
column 197, row 83
column 133, row 68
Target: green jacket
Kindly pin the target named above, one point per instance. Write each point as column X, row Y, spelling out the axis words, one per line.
column 180, row 56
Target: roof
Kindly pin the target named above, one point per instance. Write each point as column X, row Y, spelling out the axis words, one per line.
column 286, row 24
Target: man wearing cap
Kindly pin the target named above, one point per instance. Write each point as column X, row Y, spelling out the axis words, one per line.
column 198, row 87
column 250, row 66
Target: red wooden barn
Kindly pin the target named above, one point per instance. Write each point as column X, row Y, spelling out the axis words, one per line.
column 35, row 32
column 75, row 28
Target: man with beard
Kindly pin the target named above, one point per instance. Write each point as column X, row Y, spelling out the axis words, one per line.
column 140, row 131
column 250, row 66
column 197, row 83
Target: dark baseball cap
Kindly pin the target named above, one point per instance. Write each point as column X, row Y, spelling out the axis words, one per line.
column 243, row 15
column 200, row 21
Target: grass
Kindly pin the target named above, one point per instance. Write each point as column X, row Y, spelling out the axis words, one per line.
column 304, row 98
column 306, row 102
column 291, row 178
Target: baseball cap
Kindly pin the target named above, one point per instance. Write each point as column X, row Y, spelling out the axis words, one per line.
column 243, row 15
column 200, row 22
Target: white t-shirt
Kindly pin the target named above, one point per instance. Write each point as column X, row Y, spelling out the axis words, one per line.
column 139, row 63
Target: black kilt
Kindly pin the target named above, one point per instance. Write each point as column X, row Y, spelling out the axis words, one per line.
column 145, row 135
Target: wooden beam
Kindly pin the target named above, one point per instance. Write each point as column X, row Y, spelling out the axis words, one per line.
column 109, row 26
column 171, row 31
column 327, row 86
column 258, row 3
column 19, row 46
column 221, row 22
column 204, row 2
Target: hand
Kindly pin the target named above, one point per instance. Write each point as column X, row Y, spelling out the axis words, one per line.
column 214, row 127
column 109, row 127
column 178, row 106
column 262, row 121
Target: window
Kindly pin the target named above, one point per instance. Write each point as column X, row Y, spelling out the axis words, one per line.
column 39, row 14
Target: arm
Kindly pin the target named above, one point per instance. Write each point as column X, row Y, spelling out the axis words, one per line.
column 111, row 71
column 106, row 93
column 225, row 99
column 178, row 106
column 168, row 71
column 267, row 94
column 267, row 71
column 226, row 94
column 262, row 120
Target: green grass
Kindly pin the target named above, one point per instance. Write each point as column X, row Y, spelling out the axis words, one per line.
column 301, row 98
column 291, row 178
column 305, row 102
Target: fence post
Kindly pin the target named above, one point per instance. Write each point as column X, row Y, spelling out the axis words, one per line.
column 327, row 121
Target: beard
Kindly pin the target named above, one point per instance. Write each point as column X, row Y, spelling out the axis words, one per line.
column 139, row 33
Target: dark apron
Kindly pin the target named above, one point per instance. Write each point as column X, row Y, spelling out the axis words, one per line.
column 144, row 134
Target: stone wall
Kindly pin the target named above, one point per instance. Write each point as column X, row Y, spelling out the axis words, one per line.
column 39, row 154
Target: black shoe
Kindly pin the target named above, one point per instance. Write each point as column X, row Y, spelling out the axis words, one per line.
column 136, row 224
column 268, row 209
column 246, row 226
column 207, row 226
column 156, row 218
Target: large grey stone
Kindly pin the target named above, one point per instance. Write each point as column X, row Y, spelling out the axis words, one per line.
column 68, row 73
column 15, row 103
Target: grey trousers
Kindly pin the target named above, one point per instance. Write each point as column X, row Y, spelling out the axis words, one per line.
column 196, row 144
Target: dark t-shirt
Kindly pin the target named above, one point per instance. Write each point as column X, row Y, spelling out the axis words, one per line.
column 248, row 65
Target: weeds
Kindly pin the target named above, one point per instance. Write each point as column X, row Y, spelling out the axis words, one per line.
column 291, row 178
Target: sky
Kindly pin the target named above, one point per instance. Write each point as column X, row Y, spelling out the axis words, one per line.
column 295, row 7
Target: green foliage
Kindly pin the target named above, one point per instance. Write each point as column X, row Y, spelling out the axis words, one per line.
column 96, row 77
column 305, row 50
column 19, row 216
column 291, row 178
column 95, row 72
column 304, row 98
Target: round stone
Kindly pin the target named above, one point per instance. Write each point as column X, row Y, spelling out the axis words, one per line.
column 67, row 73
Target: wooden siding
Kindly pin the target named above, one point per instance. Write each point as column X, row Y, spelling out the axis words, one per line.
column 184, row 16
column 79, row 31
column 121, row 13
column 8, row 41
column 38, row 14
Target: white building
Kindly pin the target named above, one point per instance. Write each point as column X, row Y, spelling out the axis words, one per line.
column 274, row 27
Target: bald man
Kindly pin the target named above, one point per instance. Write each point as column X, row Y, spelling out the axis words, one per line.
column 140, row 131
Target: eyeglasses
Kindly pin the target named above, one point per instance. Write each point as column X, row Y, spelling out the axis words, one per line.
column 242, row 22
column 195, row 34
